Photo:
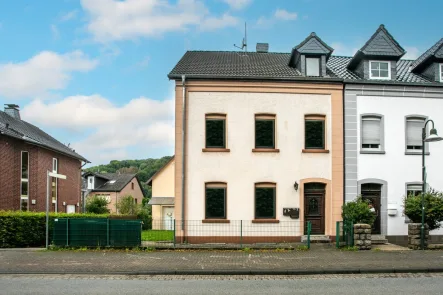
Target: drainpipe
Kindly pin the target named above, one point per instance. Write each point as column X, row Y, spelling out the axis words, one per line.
column 183, row 151
column 83, row 194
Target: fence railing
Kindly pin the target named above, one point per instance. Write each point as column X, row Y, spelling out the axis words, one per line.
column 344, row 233
column 233, row 232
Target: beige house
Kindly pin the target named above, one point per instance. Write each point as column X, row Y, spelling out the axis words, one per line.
column 259, row 139
column 162, row 200
column 113, row 186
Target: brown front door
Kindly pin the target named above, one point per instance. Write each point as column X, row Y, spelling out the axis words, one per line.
column 372, row 193
column 315, row 208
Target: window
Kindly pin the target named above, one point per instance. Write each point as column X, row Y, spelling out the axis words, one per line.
column 265, row 131
column 54, row 183
column 314, row 132
column 380, row 70
column 441, row 72
column 216, row 131
column 265, row 201
column 24, row 184
column 132, row 186
column 371, row 133
column 413, row 189
column 414, row 128
column 215, row 201
column 312, row 66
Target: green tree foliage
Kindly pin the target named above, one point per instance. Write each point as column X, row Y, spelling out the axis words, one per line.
column 97, row 205
column 433, row 208
column 144, row 169
column 127, row 206
column 358, row 211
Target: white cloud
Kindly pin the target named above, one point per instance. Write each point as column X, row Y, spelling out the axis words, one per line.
column 55, row 32
column 42, row 73
column 285, row 15
column 343, row 49
column 411, row 53
column 112, row 130
column 237, row 4
column 111, row 20
column 69, row 16
column 214, row 23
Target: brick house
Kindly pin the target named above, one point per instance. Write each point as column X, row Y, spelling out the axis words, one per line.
column 112, row 186
column 26, row 154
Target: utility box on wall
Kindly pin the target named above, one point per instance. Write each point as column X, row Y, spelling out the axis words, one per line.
column 294, row 213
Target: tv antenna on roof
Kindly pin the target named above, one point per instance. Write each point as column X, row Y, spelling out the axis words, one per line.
column 244, row 45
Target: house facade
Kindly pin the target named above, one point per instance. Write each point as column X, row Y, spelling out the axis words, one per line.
column 258, row 135
column 113, row 187
column 387, row 101
column 26, row 155
column 162, row 200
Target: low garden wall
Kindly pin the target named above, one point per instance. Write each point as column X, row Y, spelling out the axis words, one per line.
column 362, row 236
column 414, row 236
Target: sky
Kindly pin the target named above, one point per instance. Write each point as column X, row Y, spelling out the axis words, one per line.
column 93, row 73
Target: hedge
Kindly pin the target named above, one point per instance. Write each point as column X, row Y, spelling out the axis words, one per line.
column 28, row 229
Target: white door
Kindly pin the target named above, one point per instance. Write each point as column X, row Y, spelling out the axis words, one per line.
column 168, row 218
column 70, row 209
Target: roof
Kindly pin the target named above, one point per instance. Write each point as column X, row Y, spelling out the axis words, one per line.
column 162, row 201
column 238, row 65
column 429, row 53
column 315, row 42
column 29, row 133
column 149, row 182
column 116, row 182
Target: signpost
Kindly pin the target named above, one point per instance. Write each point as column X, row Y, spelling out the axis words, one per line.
column 59, row 176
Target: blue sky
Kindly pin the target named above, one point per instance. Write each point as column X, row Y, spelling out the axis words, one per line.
column 92, row 73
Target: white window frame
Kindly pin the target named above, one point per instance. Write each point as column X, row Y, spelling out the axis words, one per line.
column 412, row 184
column 381, row 147
column 414, row 151
column 23, row 197
column 380, row 78
column 441, row 72
column 319, row 65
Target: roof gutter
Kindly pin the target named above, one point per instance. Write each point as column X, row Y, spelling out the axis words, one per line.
column 322, row 80
column 183, row 150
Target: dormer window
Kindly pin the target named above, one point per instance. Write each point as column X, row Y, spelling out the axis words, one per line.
column 313, row 66
column 441, row 72
column 380, row 70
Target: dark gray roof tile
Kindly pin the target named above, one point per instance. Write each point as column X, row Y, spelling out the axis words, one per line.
column 430, row 52
column 116, row 182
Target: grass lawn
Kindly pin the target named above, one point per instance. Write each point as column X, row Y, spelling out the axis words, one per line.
column 157, row 235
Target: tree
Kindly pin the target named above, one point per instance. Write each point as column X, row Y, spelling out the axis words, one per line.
column 97, row 204
column 127, row 206
column 358, row 211
column 433, row 208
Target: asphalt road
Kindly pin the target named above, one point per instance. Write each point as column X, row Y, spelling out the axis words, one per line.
column 331, row 284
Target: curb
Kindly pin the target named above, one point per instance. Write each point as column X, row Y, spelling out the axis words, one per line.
column 297, row 272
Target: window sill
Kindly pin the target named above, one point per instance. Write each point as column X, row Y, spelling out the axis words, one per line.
column 265, row 221
column 262, row 150
column 417, row 153
column 372, row 152
column 215, row 150
column 216, row 221
column 315, row 151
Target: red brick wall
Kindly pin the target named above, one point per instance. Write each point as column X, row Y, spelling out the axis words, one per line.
column 40, row 160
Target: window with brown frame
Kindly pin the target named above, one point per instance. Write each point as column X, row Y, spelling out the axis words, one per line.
column 215, row 131
column 315, row 132
column 215, row 200
column 265, row 199
column 265, row 131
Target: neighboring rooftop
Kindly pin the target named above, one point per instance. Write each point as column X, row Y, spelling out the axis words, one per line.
column 115, row 181
column 11, row 125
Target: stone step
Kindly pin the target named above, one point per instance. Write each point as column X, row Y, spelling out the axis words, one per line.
column 378, row 239
column 316, row 239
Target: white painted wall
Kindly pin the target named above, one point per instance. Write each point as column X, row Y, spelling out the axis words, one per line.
column 395, row 167
column 241, row 168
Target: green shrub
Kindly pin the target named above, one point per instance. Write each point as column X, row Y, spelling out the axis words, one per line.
column 433, row 208
column 97, row 205
column 358, row 211
column 28, row 229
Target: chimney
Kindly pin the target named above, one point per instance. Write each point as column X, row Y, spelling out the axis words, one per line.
column 262, row 47
column 13, row 111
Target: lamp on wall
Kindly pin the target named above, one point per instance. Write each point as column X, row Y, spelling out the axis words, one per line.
column 296, row 186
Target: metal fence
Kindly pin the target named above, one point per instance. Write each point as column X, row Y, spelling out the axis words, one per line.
column 227, row 232
column 344, row 233
column 96, row 232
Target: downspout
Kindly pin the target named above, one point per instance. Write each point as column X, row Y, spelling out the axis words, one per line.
column 183, row 151
column 83, row 194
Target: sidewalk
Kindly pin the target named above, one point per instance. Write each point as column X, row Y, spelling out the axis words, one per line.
column 319, row 260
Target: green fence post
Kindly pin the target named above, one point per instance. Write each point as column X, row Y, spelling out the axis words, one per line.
column 337, row 234
column 107, row 232
column 67, row 232
column 309, row 235
column 352, row 234
column 241, row 233
column 174, row 233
